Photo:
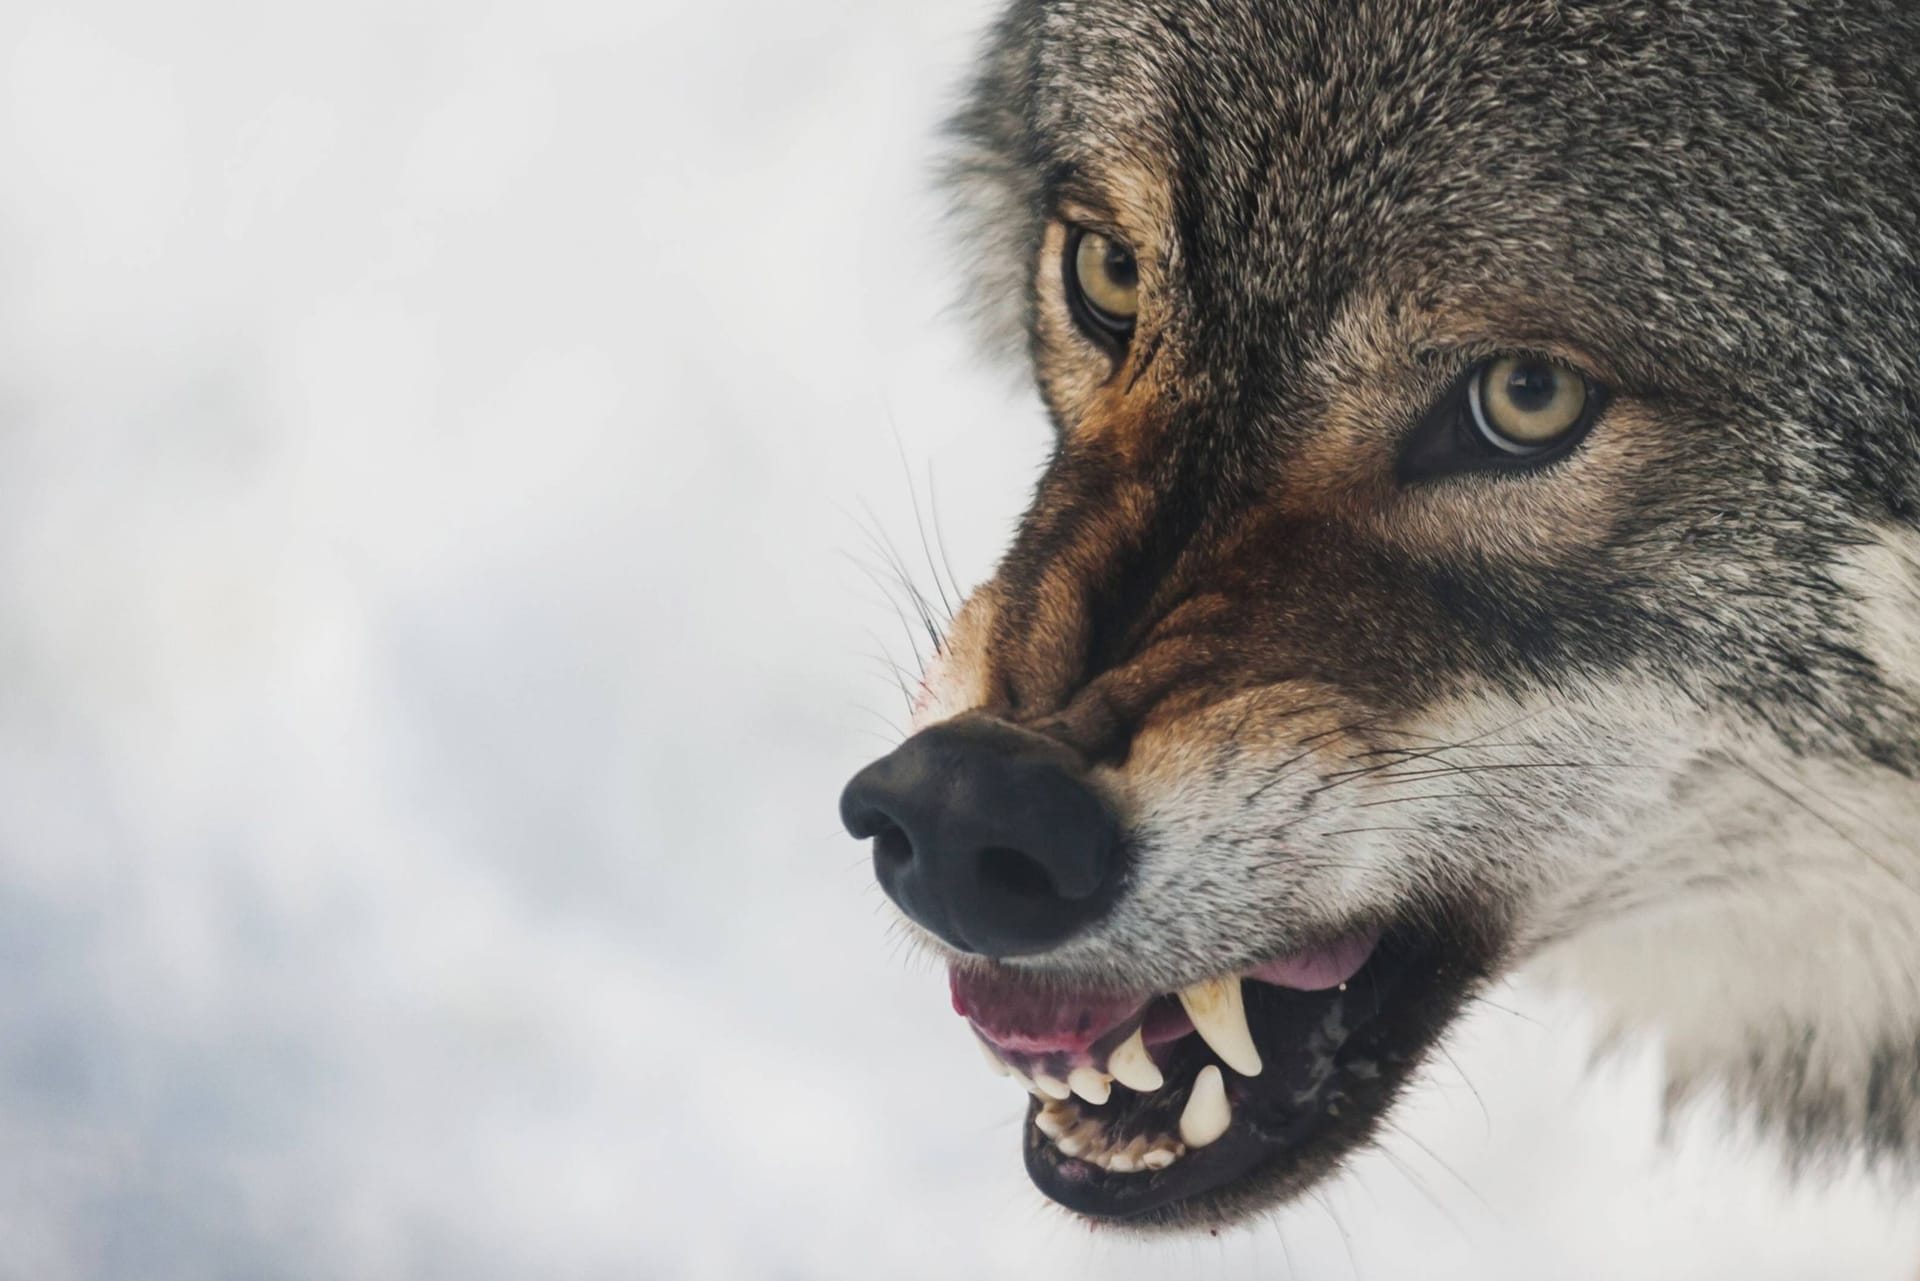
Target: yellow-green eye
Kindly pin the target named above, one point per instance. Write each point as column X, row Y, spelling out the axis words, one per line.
column 1106, row 279
column 1523, row 404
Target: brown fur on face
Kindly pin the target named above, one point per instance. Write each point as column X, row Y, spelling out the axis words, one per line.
column 1316, row 513
column 1324, row 680
column 1151, row 461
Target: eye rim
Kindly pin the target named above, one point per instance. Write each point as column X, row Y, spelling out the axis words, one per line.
column 1108, row 331
column 1447, row 440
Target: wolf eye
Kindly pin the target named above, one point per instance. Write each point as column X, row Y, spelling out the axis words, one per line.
column 1511, row 413
column 1524, row 404
column 1103, row 285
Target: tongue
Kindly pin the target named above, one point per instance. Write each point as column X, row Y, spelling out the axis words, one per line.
column 1320, row 969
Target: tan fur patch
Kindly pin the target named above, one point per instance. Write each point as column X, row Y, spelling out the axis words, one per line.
column 1374, row 388
column 1176, row 743
column 1533, row 519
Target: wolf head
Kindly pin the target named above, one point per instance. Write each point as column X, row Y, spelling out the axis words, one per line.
column 1482, row 513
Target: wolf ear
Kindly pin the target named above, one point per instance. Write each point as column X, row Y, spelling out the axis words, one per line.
column 993, row 196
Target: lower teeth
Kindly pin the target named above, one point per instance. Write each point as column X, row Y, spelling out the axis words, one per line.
column 1086, row 1139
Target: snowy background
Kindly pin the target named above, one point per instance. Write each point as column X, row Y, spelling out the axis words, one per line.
column 433, row 438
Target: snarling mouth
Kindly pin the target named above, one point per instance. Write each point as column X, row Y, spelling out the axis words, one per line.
column 1234, row 1091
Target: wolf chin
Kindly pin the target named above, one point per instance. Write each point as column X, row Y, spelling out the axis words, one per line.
column 1482, row 531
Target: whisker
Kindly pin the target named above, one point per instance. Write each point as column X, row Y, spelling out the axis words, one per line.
column 899, row 673
column 1346, row 1237
column 1786, row 793
column 893, row 729
column 1423, row 796
column 1485, row 1115
column 919, row 524
column 890, row 554
column 1281, row 771
column 886, row 586
column 1337, row 780
column 1414, row 1180
column 1432, row 1156
column 1445, row 771
column 906, row 626
column 940, row 539
column 1509, row 1010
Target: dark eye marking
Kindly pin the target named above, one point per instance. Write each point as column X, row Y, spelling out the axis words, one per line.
column 1146, row 359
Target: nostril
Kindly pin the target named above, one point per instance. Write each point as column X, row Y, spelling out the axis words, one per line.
column 1015, row 875
column 891, row 846
column 861, row 820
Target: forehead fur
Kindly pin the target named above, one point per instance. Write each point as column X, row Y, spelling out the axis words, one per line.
column 1712, row 199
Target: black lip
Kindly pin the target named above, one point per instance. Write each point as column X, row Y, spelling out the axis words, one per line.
column 1334, row 1062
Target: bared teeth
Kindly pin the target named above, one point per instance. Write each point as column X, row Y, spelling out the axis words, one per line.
column 1218, row 1010
column 1092, row 1085
column 1055, row 1119
column 1086, row 1138
column 1081, row 1138
column 1207, row 1114
column 1219, row 1015
column 1133, row 1067
column 1130, row 1159
column 1053, row 1087
column 1025, row 1083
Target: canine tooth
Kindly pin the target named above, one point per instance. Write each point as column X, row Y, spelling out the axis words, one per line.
column 1053, row 1087
column 994, row 1061
column 1133, row 1067
column 1207, row 1114
column 1219, row 1015
column 1158, row 1158
column 1089, row 1084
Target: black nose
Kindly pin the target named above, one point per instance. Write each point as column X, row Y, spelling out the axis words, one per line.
column 988, row 835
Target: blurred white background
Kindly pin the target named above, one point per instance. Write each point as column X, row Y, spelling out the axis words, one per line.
column 432, row 439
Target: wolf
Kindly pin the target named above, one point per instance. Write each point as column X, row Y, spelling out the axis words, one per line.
column 1482, row 531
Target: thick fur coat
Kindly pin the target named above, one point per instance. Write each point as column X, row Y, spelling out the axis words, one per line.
column 1647, row 718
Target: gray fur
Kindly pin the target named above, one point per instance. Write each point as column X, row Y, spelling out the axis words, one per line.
column 1724, row 199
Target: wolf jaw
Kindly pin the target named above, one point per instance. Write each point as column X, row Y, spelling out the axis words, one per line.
column 1172, row 1108
column 1633, row 717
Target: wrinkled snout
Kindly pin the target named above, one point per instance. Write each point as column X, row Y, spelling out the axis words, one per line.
column 988, row 835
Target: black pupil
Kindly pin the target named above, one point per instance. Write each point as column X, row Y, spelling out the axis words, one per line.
column 1119, row 265
column 1532, row 386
